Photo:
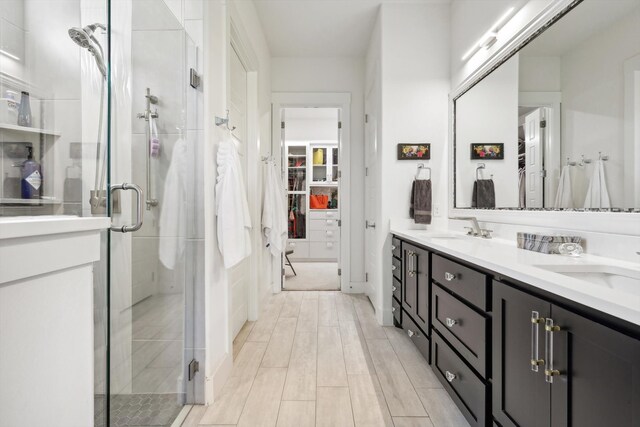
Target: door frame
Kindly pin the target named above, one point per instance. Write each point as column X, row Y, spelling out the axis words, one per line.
column 342, row 101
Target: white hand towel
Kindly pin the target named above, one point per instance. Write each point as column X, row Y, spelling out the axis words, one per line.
column 173, row 222
column 597, row 194
column 564, row 196
column 274, row 211
column 232, row 209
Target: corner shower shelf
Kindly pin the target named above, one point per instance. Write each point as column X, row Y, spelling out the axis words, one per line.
column 25, row 129
column 28, row 202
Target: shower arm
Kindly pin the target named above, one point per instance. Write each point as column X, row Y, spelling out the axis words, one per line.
column 147, row 116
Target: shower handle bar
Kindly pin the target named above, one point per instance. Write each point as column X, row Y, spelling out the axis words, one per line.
column 147, row 116
column 139, row 211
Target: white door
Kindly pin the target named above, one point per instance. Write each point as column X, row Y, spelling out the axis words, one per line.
column 239, row 276
column 534, row 169
column 370, row 206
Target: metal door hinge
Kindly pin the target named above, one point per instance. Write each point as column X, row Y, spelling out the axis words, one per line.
column 283, row 272
column 281, row 125
column 366, row 118
column 339, row 272
column 194, row 79
column 366, row 171
column 543, row 173
column 194, row 366
column 339, row 174
column 339, row 223
column 543, row 124
column 339, row 125
column 366, row 277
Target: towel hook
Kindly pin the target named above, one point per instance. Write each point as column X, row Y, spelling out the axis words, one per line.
column 225, row 122
column 604, row 158
column 421, row 166
column 584, row 161
column 570, row 163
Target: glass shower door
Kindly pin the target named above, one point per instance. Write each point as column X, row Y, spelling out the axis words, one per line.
column 152, row 269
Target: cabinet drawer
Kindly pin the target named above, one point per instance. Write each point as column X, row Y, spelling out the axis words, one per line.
column 300, row 249
column 324, row 224
column 396, row 250
column 396, row 310
column 396, row 288
column 323, row 250
column 465, row 388
column 464, row 328
column 418, row 337
column 462, row 281
column 396, row 268
column 324, row 235
column 324, row 214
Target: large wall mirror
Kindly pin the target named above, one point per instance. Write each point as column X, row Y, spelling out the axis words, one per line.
column 557, row 124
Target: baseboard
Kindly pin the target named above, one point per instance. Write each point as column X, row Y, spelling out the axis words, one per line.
column 219, row 378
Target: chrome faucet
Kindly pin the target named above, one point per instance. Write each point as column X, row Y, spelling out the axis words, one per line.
column 475, row 229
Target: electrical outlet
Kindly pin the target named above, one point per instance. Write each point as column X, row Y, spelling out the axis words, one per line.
column 436, row 210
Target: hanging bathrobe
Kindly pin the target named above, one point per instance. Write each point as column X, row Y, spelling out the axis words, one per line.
column 597, row 194
column 232, row 209
column 173, row 222
column 564, row 195
column 274, row 211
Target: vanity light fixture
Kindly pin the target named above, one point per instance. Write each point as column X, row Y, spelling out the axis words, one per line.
column 10, row 55
column 490, row 37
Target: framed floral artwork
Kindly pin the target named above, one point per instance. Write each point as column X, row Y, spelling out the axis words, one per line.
column 487, row 151
column 414, row 151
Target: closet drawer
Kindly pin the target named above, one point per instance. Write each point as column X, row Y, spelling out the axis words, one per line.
column 300, row 249
column 323, row 250
column 464, row 328
column 463, row 281
column 324, row 224
column 465, row 388
column 325, row 235
column 396, row 310
column 396, row 250
column 324, row 214
column 396, row 288
column 396, row 268
column 418, row 337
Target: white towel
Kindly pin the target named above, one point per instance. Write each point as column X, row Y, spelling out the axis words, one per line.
column 232, row 209
column 564, row 196
column 274, row 211
column 173, row 222
column 597, row 194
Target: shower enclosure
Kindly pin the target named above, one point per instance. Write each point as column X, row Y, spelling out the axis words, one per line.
column 117, row 129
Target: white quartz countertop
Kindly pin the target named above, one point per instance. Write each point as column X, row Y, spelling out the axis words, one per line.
column 29, row 226
column 503, row 257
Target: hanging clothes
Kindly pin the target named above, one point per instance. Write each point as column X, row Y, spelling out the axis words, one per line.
column 232, row 209
column 564, row 195
column 274, row 211
column 522, row 187
column 173, row 221
column 597, row 194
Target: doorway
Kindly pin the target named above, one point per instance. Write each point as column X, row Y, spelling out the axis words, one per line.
column 311, row 165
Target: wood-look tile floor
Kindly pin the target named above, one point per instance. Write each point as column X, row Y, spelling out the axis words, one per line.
column 321, row 359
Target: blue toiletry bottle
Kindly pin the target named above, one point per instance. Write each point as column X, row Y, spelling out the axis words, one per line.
column 31, row 177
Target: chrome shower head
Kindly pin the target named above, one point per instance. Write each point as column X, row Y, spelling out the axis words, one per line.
column 84, row 38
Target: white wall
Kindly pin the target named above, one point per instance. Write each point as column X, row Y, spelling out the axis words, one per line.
column 488, row 114
column 414, row 82
column 334, row 75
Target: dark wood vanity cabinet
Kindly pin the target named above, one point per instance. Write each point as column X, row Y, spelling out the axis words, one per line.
column 587, row 374
column 415, row 284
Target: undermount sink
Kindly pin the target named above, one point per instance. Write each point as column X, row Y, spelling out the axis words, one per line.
column 431, row 235
column 615, row 278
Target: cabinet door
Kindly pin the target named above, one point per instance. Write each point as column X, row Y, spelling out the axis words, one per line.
column 415, row 289
column 521, row 396
column 598, row 381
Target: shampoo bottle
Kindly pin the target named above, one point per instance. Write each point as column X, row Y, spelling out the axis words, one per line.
column 31, row 177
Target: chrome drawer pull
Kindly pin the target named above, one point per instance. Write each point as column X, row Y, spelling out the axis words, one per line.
column 450, row 322
column 411, row 333
column 449, row 277
column 394, row 268
column 450, row 376
column 393, row 247
column 549, row 370
column 393, row 309
column 535, row 357
column 394, row 288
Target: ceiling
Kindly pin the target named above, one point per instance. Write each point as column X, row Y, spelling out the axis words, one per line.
column 319, row 28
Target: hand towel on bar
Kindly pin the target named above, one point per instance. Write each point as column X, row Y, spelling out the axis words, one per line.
column 154, row 140
column 172, row 224
column 421, row 201
column 564, row 195
column 484, row 194
column 597, row 194
column 274, row 211
column 232, row 209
